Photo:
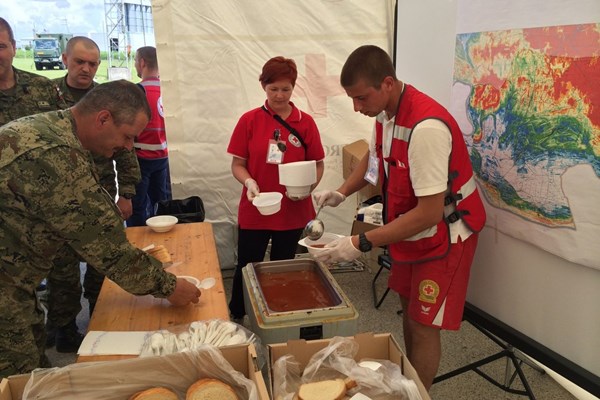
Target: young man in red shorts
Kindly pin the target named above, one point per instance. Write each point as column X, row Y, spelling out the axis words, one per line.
column 432, row 208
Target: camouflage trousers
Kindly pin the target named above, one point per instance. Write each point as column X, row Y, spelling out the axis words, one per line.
column 64, row 289
column 22, row 333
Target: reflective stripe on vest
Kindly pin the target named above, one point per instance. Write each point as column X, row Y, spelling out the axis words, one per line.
column 153, row 147
column 150, row 83
column 468, row 188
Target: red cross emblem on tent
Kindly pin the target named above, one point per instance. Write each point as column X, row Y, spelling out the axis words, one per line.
column 316, row 86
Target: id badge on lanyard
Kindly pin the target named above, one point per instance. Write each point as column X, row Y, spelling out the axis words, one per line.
column 274, row 154
column 372, row 174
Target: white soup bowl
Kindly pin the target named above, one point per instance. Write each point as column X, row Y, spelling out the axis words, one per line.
column 317, row 246
column 162, row 223
column 268, row 203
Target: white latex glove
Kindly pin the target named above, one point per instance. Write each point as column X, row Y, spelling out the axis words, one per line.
column 331, row 198
column 340, row 249
column 252, row 187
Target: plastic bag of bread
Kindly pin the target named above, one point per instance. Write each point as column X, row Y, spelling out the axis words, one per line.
column 155, row 393
column 333, row 374
column 202, row 389
column 138, row 377
column 210, row 389
column 330, row 389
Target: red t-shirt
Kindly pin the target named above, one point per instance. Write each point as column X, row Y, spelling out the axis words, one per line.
column 250, row 141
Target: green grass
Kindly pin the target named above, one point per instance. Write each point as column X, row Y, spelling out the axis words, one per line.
column 26, row 64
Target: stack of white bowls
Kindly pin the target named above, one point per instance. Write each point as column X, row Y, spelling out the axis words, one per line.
column 297, row 177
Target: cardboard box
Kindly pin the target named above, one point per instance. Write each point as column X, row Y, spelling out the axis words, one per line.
column 242, row 358
column 362, row 227
column 380, row 346
column 11, row 388
column 352, row 154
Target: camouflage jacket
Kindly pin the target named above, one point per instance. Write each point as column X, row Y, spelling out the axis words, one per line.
column 49, row 198
column 32, row 94
column 128, row 173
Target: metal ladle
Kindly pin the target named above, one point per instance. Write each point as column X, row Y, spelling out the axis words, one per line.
column 314, row 228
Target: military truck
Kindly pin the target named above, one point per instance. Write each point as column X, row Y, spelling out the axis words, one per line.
column 48, row 49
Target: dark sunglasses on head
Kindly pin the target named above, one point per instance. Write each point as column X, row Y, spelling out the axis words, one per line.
column 280, row 145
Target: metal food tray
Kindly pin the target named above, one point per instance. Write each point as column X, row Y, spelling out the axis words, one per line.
column 339, row 298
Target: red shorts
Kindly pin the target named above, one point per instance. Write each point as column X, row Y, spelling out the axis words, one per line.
column 436, row 290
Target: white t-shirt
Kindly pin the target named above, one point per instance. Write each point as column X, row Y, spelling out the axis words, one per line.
column 428, row 158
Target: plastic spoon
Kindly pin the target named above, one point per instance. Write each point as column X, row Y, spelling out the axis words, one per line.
column 207, row 283
column 315, row 228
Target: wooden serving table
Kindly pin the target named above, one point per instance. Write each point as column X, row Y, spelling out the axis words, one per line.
column 191, row 244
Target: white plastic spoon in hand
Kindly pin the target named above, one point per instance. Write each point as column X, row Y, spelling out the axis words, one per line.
column 207, row 283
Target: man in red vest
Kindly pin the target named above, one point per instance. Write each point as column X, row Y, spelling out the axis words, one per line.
column 151, row 144
column 432, row 208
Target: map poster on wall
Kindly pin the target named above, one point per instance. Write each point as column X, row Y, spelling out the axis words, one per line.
column 528, row 102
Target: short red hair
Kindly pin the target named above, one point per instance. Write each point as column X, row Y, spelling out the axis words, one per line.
column 278, row 68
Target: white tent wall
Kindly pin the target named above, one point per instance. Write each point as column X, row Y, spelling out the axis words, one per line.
column 545, row 297
column 211, row 53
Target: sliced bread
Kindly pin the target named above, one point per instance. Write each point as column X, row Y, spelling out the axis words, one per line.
column 210, row 389
column 161, row 253
column 155, row 393
column 333, row 389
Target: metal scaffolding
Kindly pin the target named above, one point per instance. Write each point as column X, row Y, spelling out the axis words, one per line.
column 124, row 19
column 117, row 39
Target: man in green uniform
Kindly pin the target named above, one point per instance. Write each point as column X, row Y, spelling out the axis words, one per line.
column 82, row 58
column 22, row 93
column 51, row 203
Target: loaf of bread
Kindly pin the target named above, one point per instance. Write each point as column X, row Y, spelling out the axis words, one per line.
column 333, row 389
column 155, row 393
column 210, row 389
column 161, row 253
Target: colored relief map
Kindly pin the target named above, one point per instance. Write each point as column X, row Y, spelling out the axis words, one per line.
column 531, row 99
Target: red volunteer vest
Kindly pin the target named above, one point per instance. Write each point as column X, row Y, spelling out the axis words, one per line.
column 152, row 142
column 400, row 198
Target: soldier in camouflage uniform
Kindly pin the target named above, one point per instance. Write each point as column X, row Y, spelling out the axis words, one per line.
column 22, row 93
column 82, row 58
column 51, row 203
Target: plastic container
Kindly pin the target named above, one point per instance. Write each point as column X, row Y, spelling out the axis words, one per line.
column 300, row 173
column 162, row 223
column 316, row 246
column 268, row 203
column 298, row 191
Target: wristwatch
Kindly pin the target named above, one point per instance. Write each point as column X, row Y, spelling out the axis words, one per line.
column 363, row 243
